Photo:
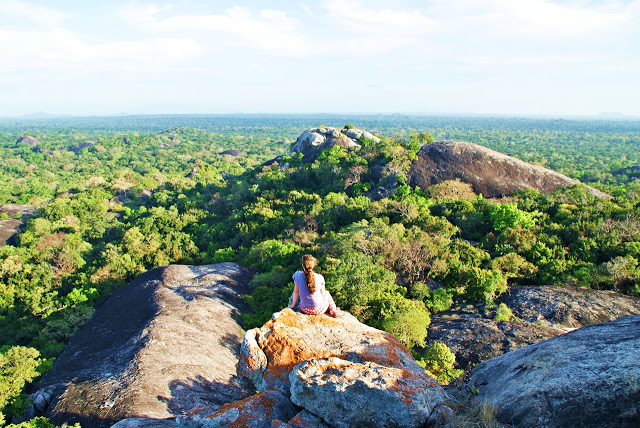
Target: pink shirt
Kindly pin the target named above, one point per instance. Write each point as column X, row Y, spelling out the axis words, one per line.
column 308, row 300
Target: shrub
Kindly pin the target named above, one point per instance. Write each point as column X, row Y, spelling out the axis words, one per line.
column 408, row 322
column 503, row 313
column 438, row 361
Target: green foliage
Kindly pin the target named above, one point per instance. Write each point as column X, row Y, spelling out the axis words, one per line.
column 407, row 320
column 271, row 253
column 505, row 216
column 438, row 361
column 152, row 193
column 18, row 366
column 503, row 313
column 39, row 422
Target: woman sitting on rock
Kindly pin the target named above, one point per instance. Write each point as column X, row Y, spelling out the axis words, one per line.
column 309, row 286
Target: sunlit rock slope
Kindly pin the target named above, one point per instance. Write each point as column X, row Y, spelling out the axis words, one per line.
column 156, row 348
column 489, row 172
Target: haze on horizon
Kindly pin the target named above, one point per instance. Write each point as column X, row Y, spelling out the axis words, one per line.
column 528, row 57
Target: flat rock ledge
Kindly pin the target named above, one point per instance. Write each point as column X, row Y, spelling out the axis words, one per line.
column 337, row 371
column 589, row 377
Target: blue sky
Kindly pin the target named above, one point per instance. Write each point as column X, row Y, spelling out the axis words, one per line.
column 522, row 57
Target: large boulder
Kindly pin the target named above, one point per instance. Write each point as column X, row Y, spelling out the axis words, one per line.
column 348, row 394
column 156, row 348
column 314, row 141
column 26, row 139
column 343, row 372
column 269, row 354
column 10, row 227
column 489, row 172
column 589, row 377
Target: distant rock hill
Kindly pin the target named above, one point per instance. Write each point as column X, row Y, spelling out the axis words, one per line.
column 489, row 172
column 231, row 152
column 312, row 142
column 156, row 348
column 26, row 139
column 79, row 147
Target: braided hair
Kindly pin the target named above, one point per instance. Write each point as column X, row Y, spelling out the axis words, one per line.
column 308, row 263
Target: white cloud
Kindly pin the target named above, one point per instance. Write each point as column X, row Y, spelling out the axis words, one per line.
column 269, row 31
column 59, row 50
column 365, row 31
column 13, row 10
column 533, row 19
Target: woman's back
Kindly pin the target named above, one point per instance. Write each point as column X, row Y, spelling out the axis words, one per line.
column 308, row 299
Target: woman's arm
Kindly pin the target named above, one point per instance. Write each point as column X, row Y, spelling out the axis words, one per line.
column 296, row 293
column 321, row 283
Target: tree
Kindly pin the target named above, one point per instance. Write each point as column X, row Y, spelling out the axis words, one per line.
column 438, row 361
column 18, row 366
column 407, row 320
column 505, row 216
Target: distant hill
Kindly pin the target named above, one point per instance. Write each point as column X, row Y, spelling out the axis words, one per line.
column 489, row 172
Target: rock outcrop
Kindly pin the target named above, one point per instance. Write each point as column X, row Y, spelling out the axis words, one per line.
column 156, row 348
column 341, row 372
column 269, row 354
column 489, row 172
column 258, row 411
column 568, row 308
column 542, row 312
column 28, row 140
column 589, row 377
column 474, row 337
column 313, row 141
column 85, row 145
column 349, row 394
column 10, row 227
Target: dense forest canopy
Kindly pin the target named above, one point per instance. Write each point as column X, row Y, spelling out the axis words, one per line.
column 115, row 197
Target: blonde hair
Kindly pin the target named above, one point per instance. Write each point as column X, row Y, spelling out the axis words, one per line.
column 308, row 263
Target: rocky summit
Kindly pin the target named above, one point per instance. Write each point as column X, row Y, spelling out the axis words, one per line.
column 489, row 172
column 312, row 142
column 339, row 372
column 589, row 377
column 160, row 346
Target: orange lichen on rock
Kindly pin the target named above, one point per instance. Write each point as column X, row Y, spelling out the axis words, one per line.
column 384, row 396
column 270, row 353
column 250, row 412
